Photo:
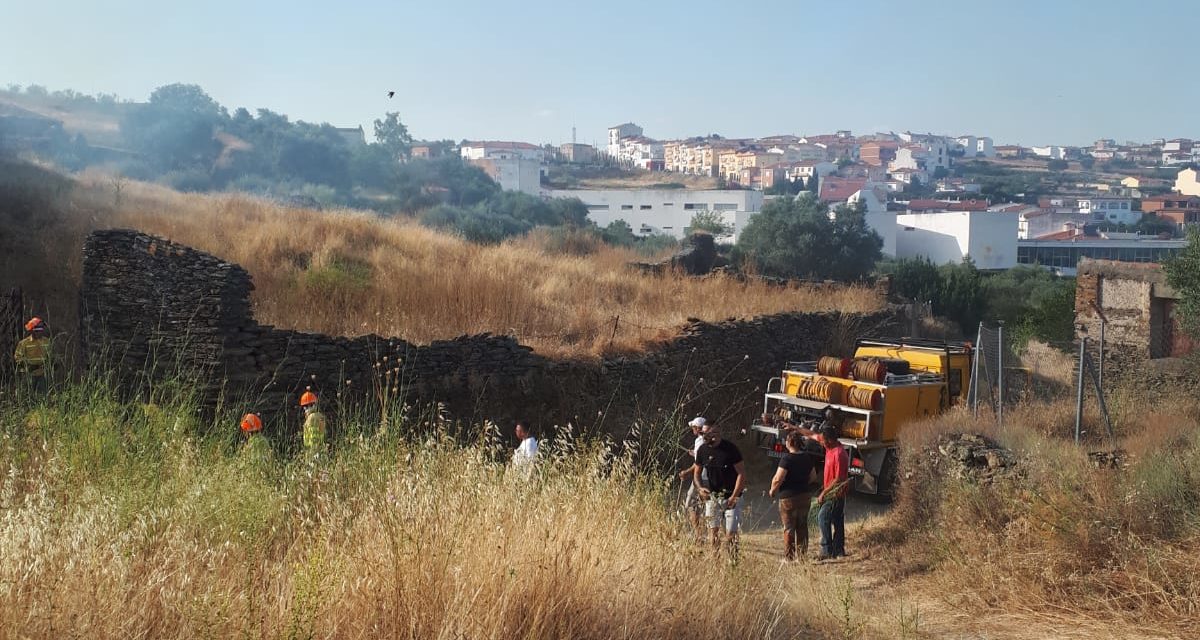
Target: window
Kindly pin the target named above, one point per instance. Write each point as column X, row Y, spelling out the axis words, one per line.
column 668, row 204
column 626, row 207
column 1125, row 206
column 597, row 207
column 667, row 228
column 724, row 206
column 644, row 207
column 694, row 206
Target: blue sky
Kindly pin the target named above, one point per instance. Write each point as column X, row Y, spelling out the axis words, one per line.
column 1028, row 72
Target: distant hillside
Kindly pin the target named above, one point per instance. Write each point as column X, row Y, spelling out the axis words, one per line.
column 99, row 122
column 351, row 273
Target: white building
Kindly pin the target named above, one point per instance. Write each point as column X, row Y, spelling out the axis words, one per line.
column 640, row 152
column 512, row 172
column 615, row 134
column 976, row 146
column 481, row 149
column 874, row 198
column 989, row 238
column 1111, row 210
column 1052, row 152
column 808, row 168
column 1186, row 182
column 666, row 211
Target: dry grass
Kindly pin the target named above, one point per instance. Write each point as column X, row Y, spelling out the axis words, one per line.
column 116, row 522
column 350, row 273
column 1067, row 543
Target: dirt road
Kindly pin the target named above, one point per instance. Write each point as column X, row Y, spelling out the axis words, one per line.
column 912, row 606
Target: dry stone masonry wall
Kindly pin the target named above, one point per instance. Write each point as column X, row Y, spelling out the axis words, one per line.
column 151, row 308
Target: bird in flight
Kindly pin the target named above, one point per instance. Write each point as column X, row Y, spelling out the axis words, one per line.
column 391, row 94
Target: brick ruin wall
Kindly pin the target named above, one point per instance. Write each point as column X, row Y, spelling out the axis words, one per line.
column 150, row 308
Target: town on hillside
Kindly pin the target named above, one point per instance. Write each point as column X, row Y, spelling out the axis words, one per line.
column 926, row 195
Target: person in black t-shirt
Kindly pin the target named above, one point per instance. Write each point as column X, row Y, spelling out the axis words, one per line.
column 792, row 485
column 720, row 462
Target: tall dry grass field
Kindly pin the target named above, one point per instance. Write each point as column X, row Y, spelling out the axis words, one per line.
column 121, row 521
column 350, row 273
column 1104, row 551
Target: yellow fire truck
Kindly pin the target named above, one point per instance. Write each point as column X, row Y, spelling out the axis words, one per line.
column 869, row 399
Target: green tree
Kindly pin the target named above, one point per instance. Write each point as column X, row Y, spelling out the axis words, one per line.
column 1183, row 274
column 961, row 297
column 709, row 221
column 916, row 279
column 793, row 237
column 176, row 127
column 1087, row 162
column 1057, row 165
column 618, row 233
column 394, row 136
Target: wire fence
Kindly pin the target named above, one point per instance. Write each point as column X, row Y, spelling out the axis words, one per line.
column 999, row 378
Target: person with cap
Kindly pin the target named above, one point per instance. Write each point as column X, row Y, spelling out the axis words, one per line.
column 720, row 463
column 255, row 447
column 32, row 355
column 314, row 423
column 691, row 504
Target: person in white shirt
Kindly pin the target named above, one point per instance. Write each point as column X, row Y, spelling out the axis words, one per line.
column 691, row 504
column 526, row 452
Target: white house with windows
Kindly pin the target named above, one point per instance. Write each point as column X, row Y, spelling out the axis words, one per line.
column 615, row 134
column 976, row 146
column 1111, row 210
column 665, row 211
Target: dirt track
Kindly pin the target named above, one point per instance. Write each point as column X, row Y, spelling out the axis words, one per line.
column 937, row 618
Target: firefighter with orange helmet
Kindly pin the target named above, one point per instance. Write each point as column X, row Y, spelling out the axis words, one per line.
column 314, row 423
column 32, row 355
column 256, row 447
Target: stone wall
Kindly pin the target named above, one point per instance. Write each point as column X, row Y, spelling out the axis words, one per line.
column 1137, row 308
column 151, row 308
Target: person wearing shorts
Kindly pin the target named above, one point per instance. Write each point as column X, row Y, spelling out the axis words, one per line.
column 719, row 462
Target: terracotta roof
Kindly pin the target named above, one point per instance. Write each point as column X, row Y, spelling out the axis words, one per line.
column 1065, row 234
column 839, row 189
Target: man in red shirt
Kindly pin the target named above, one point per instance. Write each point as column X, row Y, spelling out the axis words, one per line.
column 831, row 503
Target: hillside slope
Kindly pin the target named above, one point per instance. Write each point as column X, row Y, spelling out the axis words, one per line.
column 351, row 273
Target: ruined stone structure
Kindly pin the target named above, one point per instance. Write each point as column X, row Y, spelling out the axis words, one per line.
column 1137, row 305
column 151, row 308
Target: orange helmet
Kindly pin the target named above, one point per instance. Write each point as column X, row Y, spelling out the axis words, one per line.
column 35, row 324
column 308, row 398
column 251, row 423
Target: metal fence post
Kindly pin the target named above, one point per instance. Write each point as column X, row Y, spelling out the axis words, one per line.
column 1079, row 391
column 1101, row 365
column 1000, row 374
column 975, row 372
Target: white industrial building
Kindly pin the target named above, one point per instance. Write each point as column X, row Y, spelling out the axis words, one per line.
column 513, row 173
column 665, row 211
column 988, row 237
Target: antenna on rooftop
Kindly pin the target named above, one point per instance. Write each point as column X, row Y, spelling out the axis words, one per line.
column 573, row 134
